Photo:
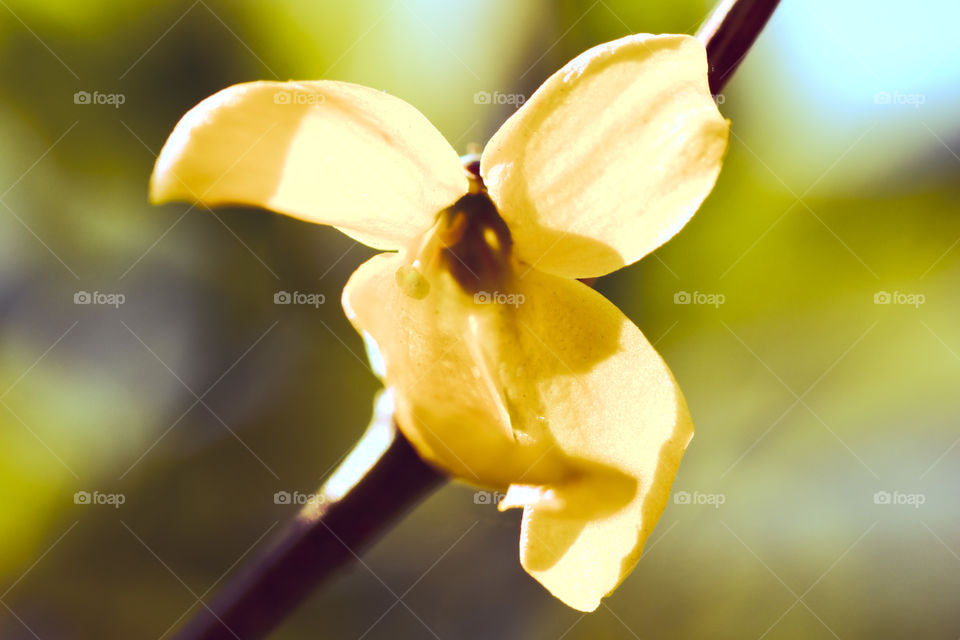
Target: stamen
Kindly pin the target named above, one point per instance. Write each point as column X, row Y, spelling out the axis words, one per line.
column 469, row 240
column 480, row 259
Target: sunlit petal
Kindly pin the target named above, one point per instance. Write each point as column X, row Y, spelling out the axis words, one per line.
column 607, row 398
column 328, row 152
column 610, row 157
column 442, row 356
column 545, row 386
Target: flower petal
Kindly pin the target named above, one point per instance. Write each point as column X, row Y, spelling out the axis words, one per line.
column 610, row 157
column 439, row 360
column 545, row 386
column 328, row 152
column 610, row 399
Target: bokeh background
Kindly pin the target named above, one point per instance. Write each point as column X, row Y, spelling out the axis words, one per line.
column 820, row 350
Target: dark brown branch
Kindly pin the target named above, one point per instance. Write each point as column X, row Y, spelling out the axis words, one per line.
column 327, row 537
column 729, row 33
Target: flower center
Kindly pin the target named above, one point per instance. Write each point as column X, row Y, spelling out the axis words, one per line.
column 469, row 240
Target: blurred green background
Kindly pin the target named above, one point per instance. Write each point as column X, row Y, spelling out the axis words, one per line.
column 819, row 497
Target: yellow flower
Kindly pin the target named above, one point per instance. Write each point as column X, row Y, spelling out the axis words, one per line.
column 506, row 371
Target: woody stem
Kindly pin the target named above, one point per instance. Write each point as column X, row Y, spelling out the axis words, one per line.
column 388, row 477
column 384, row 477
column 729, row 33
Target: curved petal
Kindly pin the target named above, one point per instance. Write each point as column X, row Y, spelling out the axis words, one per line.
column 610, row 157
column 609, row 398
column 328, row 152
column 443, row 367
column 545, row 386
